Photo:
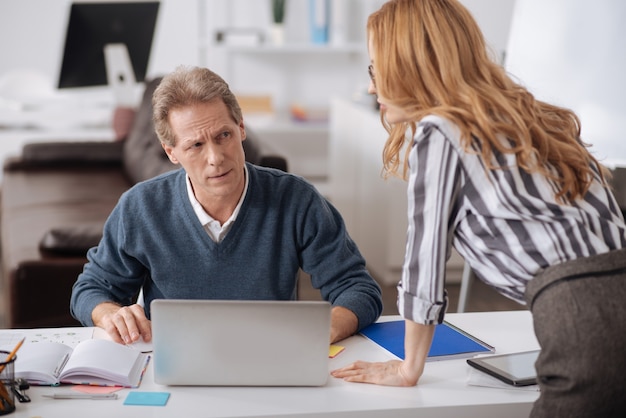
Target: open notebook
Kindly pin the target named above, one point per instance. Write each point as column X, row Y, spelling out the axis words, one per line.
column 42, row 361
column 240, row 343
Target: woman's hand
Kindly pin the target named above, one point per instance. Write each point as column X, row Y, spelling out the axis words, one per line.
column 417, row 340
column 390, row 373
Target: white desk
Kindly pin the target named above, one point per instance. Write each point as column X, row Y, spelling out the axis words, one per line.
column 442, row 391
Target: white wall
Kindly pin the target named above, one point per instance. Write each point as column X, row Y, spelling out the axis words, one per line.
column 573, row 53
column 494, row 18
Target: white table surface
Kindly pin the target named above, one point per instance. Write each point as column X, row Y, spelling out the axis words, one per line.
column 442, row 391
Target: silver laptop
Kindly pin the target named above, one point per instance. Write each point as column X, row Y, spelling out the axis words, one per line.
column 240, row 343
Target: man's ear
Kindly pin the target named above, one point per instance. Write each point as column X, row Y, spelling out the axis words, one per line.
column 168, row 151
column 242, row 129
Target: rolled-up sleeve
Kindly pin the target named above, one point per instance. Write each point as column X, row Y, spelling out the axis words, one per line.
column 433, row 183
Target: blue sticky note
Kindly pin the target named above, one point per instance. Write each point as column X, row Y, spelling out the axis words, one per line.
column 147, row 398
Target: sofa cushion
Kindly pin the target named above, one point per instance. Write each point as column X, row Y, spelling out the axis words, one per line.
column 62, row 154
column 72, row 239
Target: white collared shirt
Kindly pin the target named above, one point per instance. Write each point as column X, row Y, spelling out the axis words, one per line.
column 216, row 231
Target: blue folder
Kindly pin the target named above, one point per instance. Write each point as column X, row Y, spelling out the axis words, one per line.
column 448, row 342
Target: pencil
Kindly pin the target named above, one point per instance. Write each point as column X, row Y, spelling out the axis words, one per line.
column 12, row 354
column 4, row 395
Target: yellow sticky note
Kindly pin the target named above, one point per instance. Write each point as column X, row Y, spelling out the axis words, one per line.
column 334, row 350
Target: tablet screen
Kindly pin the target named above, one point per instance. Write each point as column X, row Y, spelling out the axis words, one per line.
column 517, row 369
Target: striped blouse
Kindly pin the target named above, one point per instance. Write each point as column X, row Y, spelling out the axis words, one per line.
column 506, row 223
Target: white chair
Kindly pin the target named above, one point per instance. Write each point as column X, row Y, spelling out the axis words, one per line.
column 466, row 281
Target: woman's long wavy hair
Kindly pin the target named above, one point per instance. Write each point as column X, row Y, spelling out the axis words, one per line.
column 431, row 58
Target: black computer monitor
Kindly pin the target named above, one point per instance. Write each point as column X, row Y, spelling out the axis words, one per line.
column 92, row 26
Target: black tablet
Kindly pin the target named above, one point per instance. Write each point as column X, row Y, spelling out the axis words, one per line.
column 517, row 369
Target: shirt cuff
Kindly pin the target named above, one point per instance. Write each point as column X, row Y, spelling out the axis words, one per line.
column 419, row 310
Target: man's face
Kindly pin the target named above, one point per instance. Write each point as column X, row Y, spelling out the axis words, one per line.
column 208, row 146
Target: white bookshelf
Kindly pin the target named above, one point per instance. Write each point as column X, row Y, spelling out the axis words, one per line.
column 299, row 48
column 297, row 72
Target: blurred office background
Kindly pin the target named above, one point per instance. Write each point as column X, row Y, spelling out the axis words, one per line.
column 306, row 94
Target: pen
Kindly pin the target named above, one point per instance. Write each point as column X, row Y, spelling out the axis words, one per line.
column 12, row 353
column 82, row 396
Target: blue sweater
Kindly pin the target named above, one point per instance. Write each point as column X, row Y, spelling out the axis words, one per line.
column 153, row 239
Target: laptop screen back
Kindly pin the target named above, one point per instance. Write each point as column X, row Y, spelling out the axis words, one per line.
column 240, row 343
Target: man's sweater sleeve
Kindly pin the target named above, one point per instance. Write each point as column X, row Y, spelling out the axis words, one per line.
column 336, row 266
column 102, row 279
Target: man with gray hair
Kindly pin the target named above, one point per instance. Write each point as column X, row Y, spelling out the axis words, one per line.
column 219, row 228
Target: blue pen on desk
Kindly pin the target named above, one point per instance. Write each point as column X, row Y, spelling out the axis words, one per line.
column 103, row 396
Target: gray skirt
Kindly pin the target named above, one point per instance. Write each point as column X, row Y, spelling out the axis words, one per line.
column 579, row 316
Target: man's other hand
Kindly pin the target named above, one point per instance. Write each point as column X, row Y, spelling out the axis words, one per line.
column 124, row 324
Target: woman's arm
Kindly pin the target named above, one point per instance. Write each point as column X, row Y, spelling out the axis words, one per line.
column 417, row 341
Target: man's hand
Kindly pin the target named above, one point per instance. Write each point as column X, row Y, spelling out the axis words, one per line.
column 125, row 324
column 343, row 323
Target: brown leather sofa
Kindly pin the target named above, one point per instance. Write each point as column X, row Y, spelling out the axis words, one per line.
column 55, row 199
